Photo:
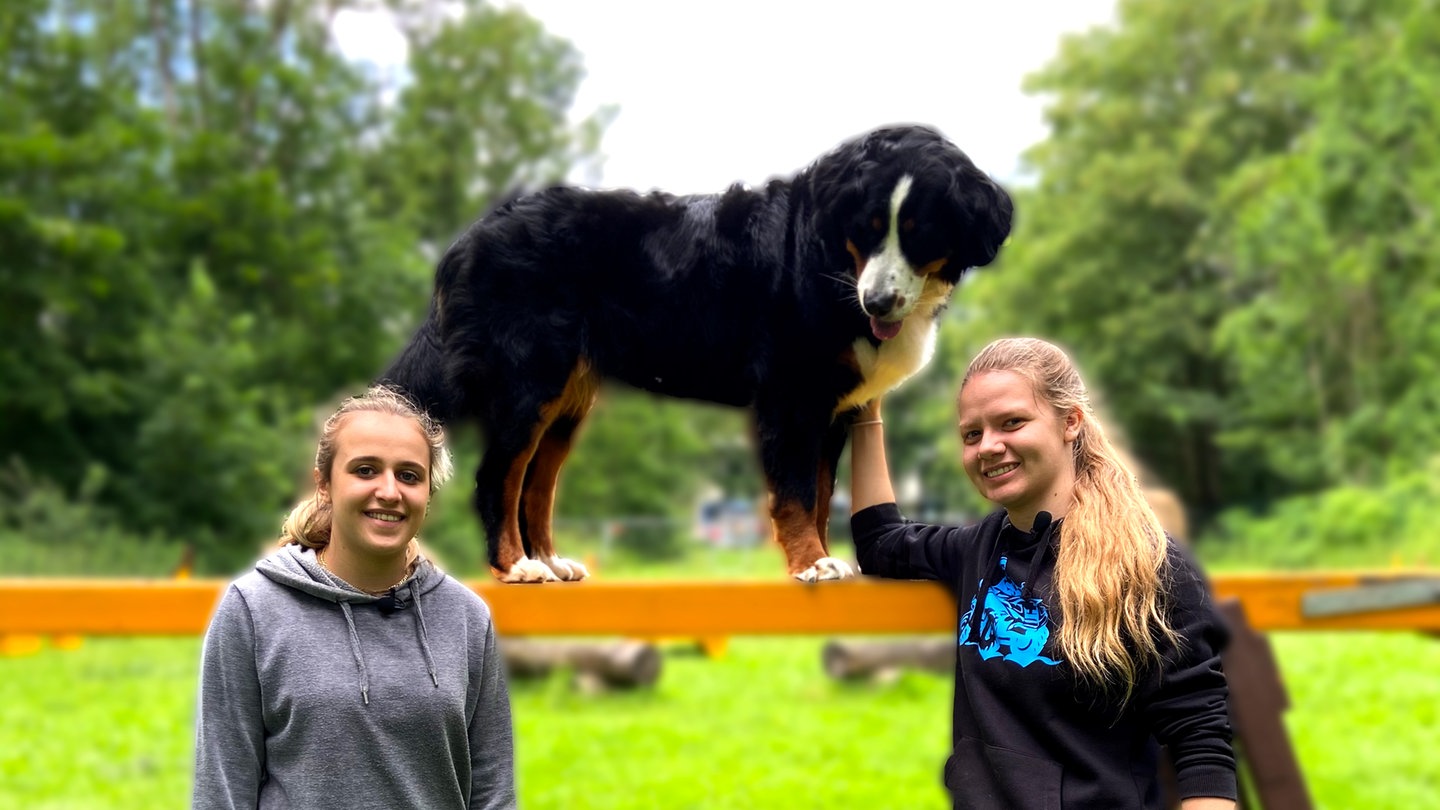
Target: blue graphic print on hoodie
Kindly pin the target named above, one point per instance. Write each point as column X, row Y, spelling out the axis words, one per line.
column 1014, row 626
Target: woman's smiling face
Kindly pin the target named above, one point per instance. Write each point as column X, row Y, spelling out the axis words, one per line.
column 379, row 484
column 1017, row 451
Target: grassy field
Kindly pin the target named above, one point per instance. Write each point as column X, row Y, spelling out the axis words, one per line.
column 108, row 725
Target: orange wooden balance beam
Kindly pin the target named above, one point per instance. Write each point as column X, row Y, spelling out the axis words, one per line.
column 1391, row 600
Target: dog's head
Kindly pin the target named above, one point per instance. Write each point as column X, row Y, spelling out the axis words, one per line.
column 913, row 213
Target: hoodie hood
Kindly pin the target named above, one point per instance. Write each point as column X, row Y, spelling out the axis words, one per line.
column 297, row 567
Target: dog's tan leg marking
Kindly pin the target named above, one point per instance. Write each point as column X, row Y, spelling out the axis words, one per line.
column 513, row 565
column 538, row 498
column 795, row 531
column 538, row 502
column 805, row 555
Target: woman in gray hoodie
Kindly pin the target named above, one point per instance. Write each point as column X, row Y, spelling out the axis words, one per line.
column 346, row 670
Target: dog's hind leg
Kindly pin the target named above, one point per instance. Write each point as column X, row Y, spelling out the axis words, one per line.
column 511, row 442
column 514, row 420
column 537, row 502
column 521, row 461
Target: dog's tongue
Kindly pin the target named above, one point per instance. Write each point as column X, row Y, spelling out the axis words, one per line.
column 883, row 330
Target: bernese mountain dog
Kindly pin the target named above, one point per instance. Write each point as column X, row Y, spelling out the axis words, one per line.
column 800, row 300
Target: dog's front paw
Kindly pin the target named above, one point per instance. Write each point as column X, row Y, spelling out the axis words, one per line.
column 825, row 569
column 527, row 570
column 567, row 570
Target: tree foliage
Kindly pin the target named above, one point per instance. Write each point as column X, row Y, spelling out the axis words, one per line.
column 1232, row 228
column 484, row 116
column 209, row 223
column 213, row 223
column 1333, row 251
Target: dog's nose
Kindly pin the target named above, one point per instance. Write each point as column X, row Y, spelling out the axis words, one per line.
column 880, row 303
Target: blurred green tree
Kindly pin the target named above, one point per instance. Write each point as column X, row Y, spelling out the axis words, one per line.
column 199, row 239
column 1232, row 228
column 483, row 114
column 1333, row 342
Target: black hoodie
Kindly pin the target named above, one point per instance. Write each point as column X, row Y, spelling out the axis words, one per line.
column 1026, row 734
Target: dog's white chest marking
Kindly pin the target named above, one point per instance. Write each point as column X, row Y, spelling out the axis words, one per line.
column 883, row 368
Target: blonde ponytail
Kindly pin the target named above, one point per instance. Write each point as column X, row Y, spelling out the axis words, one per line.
column 308, row 524
column 1110, row 571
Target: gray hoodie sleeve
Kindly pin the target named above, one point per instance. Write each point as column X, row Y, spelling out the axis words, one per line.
column 492, row 748
column 229, row 731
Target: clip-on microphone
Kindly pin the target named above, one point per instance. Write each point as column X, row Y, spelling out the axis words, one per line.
column 391, row 602
column 1042, row 522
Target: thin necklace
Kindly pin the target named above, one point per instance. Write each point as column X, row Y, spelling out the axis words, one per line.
column 409, row 569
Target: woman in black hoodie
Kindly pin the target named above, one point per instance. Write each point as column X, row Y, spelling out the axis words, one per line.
column 1086, row 637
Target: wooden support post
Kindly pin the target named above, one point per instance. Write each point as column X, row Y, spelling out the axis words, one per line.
column 1270, row 777
column 597, row 665
column 1270, row 771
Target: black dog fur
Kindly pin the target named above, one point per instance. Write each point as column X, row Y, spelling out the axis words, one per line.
column 754, row 298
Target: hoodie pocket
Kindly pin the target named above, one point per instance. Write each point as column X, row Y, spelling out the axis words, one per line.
column 983, row 777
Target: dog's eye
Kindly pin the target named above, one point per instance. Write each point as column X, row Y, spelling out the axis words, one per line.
column 877, row 224
column 908, row 225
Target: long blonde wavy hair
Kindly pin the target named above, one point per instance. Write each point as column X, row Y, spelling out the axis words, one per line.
column 1109, row 571
column 309, row 522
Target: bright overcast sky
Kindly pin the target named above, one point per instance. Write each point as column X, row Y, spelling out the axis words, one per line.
column 745, row 90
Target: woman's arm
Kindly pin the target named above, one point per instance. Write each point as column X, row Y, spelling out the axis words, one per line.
column 886, row 544
column 229, row 728
column 492, row 746
column 869, row 472
column 1188, row 709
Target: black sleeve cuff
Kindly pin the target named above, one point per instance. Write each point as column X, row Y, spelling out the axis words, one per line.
column 874, row 518
column 1211, row 780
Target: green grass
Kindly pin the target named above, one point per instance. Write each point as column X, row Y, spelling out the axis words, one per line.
column 762, row 727
column 1364, row 716
column 108, row 726
column 104, row 726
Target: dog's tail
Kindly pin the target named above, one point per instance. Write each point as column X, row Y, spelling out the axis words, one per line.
column 419, row 371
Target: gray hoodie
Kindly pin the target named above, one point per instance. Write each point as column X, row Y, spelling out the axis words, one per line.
column 314, row 695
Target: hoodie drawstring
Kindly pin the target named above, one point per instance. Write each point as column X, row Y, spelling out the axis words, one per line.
column 422, row 632
column 979, row 607
column 355, row 650
column 302, row 569
column 1041, row 533
column 1041, row 548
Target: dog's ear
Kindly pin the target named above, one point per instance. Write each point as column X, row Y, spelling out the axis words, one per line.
column 983, row 211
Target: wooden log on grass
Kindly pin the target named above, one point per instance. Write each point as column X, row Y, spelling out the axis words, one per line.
column 850, row 660
column 597, row 664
